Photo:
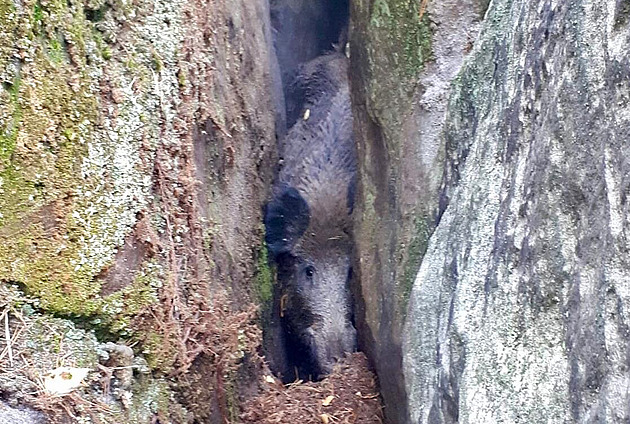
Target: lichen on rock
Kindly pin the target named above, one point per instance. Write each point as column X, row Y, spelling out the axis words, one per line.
column 79, row 135
column 516, row 313
column 404, row 56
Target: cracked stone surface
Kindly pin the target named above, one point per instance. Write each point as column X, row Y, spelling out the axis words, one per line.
column 519, row 312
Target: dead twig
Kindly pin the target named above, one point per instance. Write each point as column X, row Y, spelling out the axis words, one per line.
column 7, row 335
column 220, row 128
column 423, row 8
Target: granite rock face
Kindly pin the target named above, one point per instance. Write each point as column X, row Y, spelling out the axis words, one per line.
column 9, row 415
column 137, row 144
column 519, row 312
column 404, row 55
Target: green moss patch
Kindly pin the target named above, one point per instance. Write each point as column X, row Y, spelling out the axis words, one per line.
column 44, row 126
column 399, row 44
column 414, row 253
column 119, row 309
column 402, row 34
column 152, row 398
column 64, row 204
column 393, row 44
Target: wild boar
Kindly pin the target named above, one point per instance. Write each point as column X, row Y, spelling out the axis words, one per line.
column 302, row 31
column 308, row 223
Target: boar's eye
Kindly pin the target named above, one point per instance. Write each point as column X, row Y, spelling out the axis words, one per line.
column 309, row 271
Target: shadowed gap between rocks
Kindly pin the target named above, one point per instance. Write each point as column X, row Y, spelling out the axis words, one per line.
column 305, row 34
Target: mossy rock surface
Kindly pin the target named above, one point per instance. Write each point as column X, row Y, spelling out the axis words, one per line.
column 136, row 150
column 404, row 57
column 74, row 157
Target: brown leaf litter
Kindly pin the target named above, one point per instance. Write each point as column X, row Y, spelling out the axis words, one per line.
column 349, row 395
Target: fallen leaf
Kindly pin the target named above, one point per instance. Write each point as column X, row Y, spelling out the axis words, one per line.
column 328, row 400
column 63, row 380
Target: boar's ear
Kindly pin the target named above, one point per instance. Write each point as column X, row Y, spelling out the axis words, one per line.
column 286, row 219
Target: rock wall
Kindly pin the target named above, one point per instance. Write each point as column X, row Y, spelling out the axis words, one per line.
column 404, row 55
column 520, row 310
column 137, row 143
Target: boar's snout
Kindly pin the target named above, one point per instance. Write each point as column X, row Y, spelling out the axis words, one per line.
column 339, row 346
column 330, row 346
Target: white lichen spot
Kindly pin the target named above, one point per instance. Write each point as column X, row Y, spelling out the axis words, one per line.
column 117, row 169
column 615, row 209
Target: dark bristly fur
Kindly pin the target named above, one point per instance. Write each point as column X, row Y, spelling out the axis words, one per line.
column 308, row 222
